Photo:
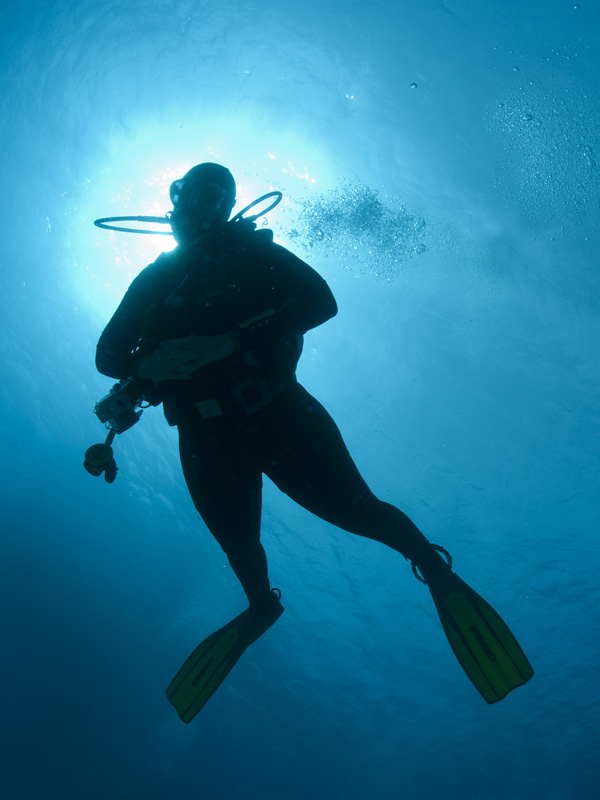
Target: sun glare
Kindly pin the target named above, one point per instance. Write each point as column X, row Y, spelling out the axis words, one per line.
column 136, row 181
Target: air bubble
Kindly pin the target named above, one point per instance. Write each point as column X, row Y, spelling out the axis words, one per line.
column 588, row 156
column 413, row 86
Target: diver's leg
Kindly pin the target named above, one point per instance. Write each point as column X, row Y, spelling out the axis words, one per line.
column 383, row 522
column 311, row 464
column 226, row 487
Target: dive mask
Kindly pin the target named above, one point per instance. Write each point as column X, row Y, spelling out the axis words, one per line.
column 204, row 198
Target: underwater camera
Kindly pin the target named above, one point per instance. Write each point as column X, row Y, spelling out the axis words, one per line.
column 119, row 411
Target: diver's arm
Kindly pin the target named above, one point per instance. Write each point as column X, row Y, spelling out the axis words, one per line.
column 113, row 358
column 298, row 299
column 116, row 354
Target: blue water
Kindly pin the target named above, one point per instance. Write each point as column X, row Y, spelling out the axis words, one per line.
column 440, row 164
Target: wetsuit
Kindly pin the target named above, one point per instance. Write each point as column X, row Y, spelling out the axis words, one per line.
column 246, row 415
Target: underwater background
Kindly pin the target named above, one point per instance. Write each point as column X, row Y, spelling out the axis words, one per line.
column 440, row 163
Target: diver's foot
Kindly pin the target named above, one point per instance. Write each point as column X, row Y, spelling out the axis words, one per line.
column 269, row 606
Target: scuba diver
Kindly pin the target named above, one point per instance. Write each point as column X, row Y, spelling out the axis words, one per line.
column 214, row 331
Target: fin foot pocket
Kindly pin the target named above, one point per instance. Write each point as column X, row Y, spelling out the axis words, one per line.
column 425, row 575
column 270, row 606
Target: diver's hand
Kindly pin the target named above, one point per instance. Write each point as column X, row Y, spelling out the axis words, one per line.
column 178, row 359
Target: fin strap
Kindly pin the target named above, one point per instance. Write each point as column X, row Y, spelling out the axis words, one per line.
column 441, row 550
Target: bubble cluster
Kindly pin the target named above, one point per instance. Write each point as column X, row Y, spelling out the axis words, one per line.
column 548, row 145
column 356, row 226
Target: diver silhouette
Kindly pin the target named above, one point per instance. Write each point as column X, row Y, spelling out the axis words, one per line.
column 214, row 329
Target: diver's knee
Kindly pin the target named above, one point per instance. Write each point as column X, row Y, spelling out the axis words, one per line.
column 360, row 509
column 366, row 505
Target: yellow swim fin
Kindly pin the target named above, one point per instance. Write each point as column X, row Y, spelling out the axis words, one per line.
column 210, row 663
column 482, row 642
